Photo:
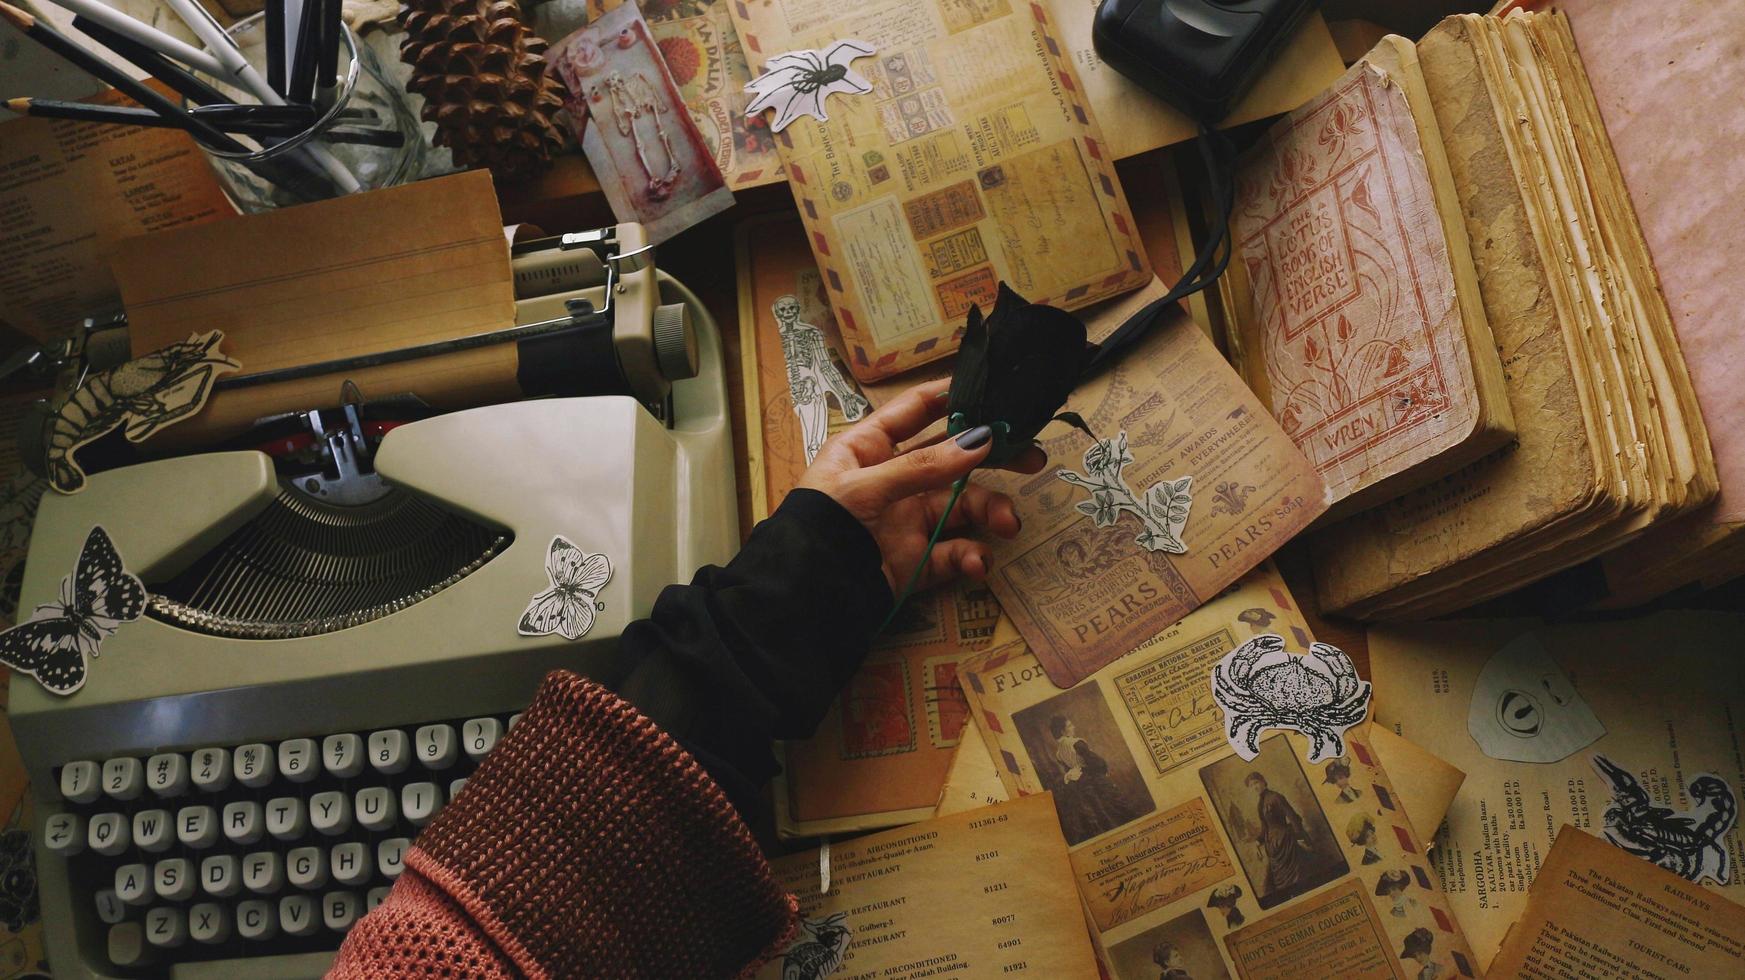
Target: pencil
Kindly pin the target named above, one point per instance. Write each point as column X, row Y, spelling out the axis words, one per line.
column 151, row 62
column 143, row 94
column 151, row 37
column 233, row 118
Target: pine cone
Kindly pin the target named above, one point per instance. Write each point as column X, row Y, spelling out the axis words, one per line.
column 485, row 82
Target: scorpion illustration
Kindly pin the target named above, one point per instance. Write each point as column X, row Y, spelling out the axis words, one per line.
column 143, row 396
column 1676, row 841
column 1260, row 685
column 819, row 956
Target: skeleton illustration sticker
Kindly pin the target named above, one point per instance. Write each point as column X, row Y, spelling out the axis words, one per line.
column 1686, row 843
column 568, row 607
column 1260, row 685
column 1162, row 511
column 796, row 83
column 820, row 949
column 141, row 396
column 813, row 377
column 96, row 599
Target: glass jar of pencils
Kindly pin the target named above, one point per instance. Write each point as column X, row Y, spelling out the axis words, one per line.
column 343, row 126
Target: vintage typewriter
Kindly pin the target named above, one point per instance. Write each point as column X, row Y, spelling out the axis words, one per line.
column 331, row 643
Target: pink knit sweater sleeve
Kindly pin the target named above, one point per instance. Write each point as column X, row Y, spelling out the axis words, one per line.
column 588, row 844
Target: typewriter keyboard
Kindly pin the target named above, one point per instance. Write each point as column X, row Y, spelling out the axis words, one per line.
column 258, row 849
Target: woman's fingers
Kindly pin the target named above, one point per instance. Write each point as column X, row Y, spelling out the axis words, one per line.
column 955, row 557
column 1031, row 460
column 899, row 419
column 978, row 507
column 924, row 469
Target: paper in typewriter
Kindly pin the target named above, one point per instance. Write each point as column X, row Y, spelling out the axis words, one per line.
column 358, row 275
column 1609, row 436
column 1084, row 595
column 1667, row 715
column 1266, row 868
column 880, row 755
column 1361, row 325
column 1597, row 911
column 974, row 160
column 987, row 893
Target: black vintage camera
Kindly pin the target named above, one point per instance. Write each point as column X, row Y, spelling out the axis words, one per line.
column 1198, row 55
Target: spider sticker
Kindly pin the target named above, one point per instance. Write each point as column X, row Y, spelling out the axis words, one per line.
column 1261, row 685
column 1684, row 842
column 796, row 83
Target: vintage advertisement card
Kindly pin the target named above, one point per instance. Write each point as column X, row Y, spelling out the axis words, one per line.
column 1595, row 911
column 653, row 164
column 1085, row 591
column 973, row 160
column 987, row 893
column 1670, row 724
column 1269, row 867
column 702, row 53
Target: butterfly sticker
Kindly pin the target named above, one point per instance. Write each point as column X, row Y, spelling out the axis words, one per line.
column 796, row 83
column 98, row 597
column 568, row 607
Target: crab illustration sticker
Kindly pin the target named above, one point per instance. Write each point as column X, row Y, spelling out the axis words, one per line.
column 796, row 83
column 1261, row 685
column 568, row 607
column 1162, row 511
column 1525, row 709
column 1684, row 842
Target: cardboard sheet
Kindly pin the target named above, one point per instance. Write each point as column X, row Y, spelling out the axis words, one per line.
column 356, row 275
column 1669, row 715
column 1596, row 911
column 980, row 894
column 974, row 160
column 1264, row 868
column 69, row 191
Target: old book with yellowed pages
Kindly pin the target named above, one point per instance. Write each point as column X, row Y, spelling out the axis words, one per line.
column 986, row 893
column 1269, row 867
column 1610, row 438
column 972, row 158
column 1358, row 317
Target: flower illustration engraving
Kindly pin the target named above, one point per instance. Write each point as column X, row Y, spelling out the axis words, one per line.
column 1229, row 497
column 1162, row 510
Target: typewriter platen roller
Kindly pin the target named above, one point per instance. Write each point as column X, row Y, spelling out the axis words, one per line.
column 357, row 571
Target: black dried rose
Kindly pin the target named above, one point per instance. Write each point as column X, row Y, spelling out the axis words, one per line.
column 1014, row 371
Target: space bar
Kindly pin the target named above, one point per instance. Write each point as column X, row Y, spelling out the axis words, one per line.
column 293, row 966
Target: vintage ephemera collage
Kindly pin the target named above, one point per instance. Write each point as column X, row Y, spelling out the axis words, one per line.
column 973, row 160
column 1186, row 853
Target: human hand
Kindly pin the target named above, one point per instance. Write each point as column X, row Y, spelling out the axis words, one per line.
column 900, row 494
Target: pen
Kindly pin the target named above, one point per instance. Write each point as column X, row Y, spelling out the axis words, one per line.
column 137, row 91
column 327, row 72
column 301, row 86
column 245, row 119
column 151, row 62
column 151, row 37
column 275, row 18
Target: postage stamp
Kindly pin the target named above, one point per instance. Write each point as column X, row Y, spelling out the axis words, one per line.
column 943, row 210
column 978, row 287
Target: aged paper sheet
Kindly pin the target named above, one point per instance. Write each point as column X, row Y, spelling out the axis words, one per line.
column 1084, row 595
column 973, row 160
column 68, row 192
column 356, row 275
column 986, row 893
column 1596, row 911
column 1268, row 868
column 1667, row 718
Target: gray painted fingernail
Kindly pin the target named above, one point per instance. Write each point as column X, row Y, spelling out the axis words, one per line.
column 974, row 438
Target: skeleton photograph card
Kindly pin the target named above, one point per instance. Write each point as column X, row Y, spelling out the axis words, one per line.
column 652, row 162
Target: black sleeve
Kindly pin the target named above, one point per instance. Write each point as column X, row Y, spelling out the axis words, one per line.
column 760, row 648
